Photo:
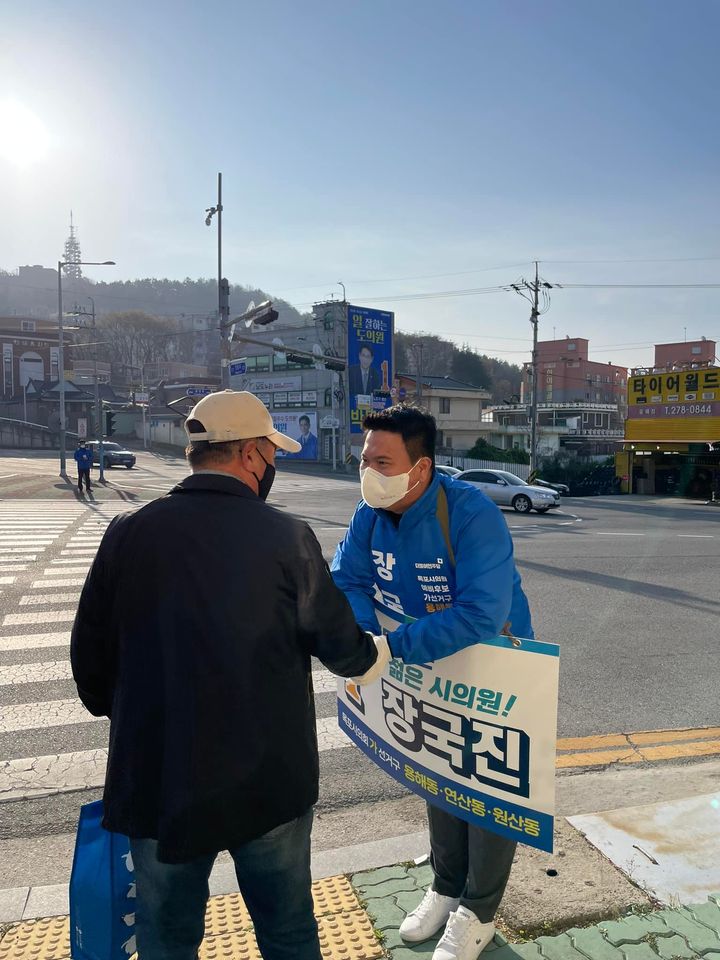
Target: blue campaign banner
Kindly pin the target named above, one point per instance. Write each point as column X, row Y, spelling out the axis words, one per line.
column 370, row 358
column 474, row 733
column 525, row 825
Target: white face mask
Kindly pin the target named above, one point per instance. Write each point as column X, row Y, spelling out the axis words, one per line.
column 382, row 492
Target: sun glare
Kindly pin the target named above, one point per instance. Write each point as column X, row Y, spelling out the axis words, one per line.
column 23, row 137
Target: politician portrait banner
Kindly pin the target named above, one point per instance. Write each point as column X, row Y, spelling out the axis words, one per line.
column 370, row 354
column 301, row 426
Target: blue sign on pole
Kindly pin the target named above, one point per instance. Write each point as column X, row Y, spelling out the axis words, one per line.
column 370, row 356
column 238, row 368
column 197, row 391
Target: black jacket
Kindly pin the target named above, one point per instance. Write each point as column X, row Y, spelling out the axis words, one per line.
column 194, row 634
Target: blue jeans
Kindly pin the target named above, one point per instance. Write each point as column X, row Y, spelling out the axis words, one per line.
column 273, row 874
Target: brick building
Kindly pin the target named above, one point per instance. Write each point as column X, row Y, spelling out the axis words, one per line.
column 29, row 352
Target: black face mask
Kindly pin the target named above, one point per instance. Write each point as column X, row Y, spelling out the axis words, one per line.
column 266, row 481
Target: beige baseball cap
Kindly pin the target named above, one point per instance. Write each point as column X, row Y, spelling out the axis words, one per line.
column 234, row 415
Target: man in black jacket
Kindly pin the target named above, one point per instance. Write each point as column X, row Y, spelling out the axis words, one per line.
column 194, row 635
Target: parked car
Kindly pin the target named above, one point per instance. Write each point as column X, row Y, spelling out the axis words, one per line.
column 113, row 454
column 562, row 488
column 507, row 490
column 448, row 471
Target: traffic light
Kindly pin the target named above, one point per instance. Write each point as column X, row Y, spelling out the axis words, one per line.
column 261, row 315
column 109, row 423
column 224, row 298
column 300, row 360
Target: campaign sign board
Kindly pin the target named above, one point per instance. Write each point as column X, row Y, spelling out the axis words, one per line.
column 474, row 733
column 370, row 355
column 301, row 425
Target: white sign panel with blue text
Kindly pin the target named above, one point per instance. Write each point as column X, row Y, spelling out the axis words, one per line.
column 474, row 733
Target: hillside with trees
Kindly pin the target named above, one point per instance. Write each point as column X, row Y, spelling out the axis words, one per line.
column 33, row 292
column 443, row 358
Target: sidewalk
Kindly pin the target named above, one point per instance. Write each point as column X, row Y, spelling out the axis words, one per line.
column 359, row 916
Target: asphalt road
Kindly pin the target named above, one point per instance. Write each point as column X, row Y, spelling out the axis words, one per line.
column 627, row 587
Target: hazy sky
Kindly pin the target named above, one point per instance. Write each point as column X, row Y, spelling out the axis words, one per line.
column 403, row 147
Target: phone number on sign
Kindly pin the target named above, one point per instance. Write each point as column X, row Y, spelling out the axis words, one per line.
column 685, row 409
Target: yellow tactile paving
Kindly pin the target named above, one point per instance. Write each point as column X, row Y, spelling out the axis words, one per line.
column 334, row 895
column 345, row 930
column 348, row 936
column 47, row 939
column 643, row 746
column 343, row 936
column 226, row 914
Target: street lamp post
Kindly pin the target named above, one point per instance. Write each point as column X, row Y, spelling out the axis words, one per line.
column 61, row 351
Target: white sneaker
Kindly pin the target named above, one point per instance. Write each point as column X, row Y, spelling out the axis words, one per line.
column 426, row 919
column 465, row 937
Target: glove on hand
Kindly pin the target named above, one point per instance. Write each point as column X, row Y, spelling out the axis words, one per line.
column 383, row 659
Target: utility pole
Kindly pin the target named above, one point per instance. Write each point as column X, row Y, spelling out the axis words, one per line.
column 532, row 291
column 98, row 432
column 223, row 291
column 419, row 370
column 534, row 398
column 98, row 407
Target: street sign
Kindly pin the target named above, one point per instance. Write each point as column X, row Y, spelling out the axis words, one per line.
column 329, row 423
column 142, row 397
column 238, row 368
column 197, row 391
column 82, row 428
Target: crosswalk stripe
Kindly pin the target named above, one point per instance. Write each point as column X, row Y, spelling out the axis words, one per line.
column 37, row 616
column 38, row 716
column 65, row 571
column 83, row 769
column 7, row 580
column 20, row 673
column 12, row 566
column 73, row 560
column 43, row 776
column 34, row 641
column 44, row 584
column 50, row 598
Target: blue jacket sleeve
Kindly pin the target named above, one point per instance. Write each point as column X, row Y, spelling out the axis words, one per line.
column 484, row 574
column 519, row 618
column 352, row 568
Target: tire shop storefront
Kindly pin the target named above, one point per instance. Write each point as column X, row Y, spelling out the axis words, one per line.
column 672, row 433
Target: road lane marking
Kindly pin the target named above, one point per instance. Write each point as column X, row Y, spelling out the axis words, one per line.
column 39, row 716
column 39, row 616
column 639, row 747
column 44, row 584
column 696, row 536
column 20, row 673
column 616, row 533
column 34, row 641
column 48, row 598
column 83, row 769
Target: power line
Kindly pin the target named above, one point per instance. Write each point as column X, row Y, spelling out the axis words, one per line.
column 638, row 286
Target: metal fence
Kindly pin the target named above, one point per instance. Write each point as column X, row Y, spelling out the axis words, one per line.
column 521, row 470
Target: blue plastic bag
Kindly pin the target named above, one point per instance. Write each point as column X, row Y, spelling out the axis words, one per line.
column 102, row 891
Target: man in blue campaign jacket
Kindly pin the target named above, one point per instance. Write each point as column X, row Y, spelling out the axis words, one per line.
column 414, row 522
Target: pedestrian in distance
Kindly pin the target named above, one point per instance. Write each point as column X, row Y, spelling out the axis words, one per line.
column 194, row 634
column 413, row 518
column 83, row 459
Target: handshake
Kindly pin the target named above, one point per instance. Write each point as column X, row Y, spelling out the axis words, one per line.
column 383, row 659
